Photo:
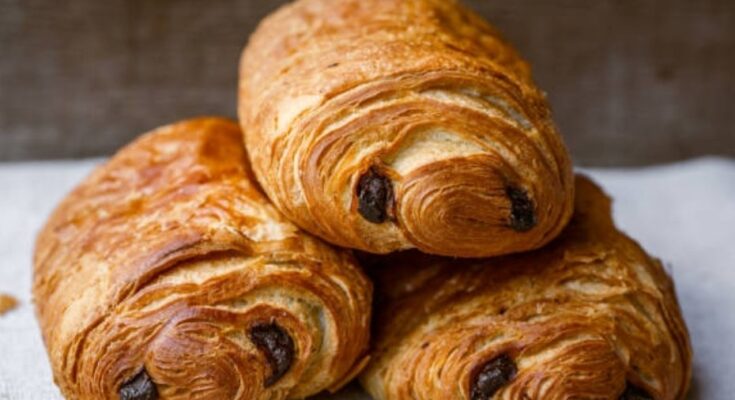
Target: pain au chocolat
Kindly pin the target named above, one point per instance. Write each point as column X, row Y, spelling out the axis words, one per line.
column 167, row 274
column 393, row 124
column 590, row 316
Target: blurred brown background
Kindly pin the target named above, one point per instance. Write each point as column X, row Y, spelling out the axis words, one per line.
column 631, row 82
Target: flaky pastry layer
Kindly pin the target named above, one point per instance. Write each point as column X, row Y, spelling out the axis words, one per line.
column 393, row 124
column 167, row 274
column 590, row 316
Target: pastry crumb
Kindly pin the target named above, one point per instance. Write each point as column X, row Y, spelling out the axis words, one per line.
column 7, row 303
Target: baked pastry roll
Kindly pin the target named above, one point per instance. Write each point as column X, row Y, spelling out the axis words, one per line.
column 393, row 124
column 591, row 316
column 167, row 274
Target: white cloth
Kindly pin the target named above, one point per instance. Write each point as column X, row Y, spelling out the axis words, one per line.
column 683, row 213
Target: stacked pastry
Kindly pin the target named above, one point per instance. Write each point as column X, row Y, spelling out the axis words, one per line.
column 370, row 125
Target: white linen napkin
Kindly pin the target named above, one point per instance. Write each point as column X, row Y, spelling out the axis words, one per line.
column 682, row 213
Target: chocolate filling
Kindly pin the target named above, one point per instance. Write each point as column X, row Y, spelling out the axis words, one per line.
column 140, row 387
column 633, row 392
column 494, row 375
column 522, row 215
column 277, row 346
column 375, row 195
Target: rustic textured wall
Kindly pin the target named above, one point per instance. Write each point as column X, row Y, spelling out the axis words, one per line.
column 631, row 81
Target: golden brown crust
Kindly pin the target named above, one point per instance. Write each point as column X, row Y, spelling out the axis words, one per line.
column 422, row 91
column 7, row 303
column 166, row 258
column 583, row 318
